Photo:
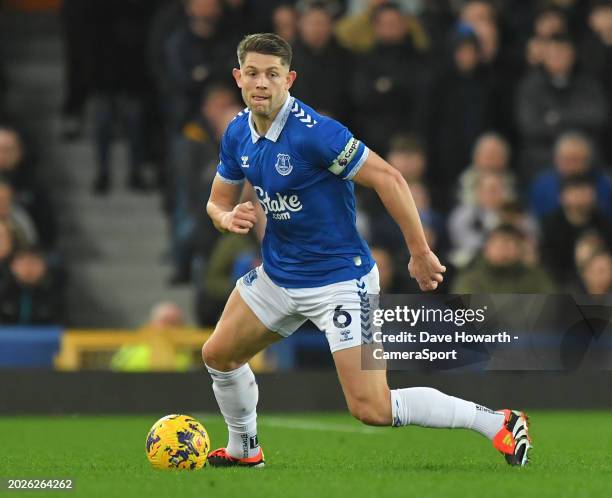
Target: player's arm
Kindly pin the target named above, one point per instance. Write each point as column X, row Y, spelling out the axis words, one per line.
column 395, row 194
column 225, row 210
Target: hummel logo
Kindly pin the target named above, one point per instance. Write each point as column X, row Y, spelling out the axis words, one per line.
column 245, row 161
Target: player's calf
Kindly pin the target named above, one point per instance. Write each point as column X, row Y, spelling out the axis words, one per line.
column 371, row 410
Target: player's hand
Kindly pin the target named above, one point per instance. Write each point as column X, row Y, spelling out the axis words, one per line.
column 240, row 219
column 427, row 270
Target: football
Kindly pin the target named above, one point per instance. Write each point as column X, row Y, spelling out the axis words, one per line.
column 177, row 442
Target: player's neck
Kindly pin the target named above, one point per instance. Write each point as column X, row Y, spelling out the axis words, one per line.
column 263, row 123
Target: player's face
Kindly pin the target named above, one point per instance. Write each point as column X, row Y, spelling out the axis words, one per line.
column 264, row 81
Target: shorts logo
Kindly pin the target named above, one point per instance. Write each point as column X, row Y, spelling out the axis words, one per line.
column 283, row 164
column 250, row 277
column 346, row 335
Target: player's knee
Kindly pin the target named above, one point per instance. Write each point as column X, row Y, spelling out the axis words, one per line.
column 370, row 412
column 214, row 358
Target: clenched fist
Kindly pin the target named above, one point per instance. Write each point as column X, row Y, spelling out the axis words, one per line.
column 426, row 270
column 240, row 219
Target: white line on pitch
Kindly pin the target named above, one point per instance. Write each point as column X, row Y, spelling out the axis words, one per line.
column 308, row 425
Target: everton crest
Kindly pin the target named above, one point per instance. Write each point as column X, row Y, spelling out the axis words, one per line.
column 283, row 164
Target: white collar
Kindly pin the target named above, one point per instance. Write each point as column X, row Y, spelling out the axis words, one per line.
column 277, row 125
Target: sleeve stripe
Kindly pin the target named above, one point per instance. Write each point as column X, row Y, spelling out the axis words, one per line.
column 228, row 180
column 345, row 157
column 360, row 163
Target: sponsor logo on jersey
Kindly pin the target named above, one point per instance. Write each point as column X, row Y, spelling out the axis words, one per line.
column 345, row 157
column 281, row 207
column 283, row 164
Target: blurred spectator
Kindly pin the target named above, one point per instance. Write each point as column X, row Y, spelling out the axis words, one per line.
column 196, row 56
column 587, row 244
column 32, row 293
column 7, row 248
column 392, row 73
column 460, row 103
column 573, row 155
column 407, row 155
column 562, row 228
column 437, row 18
column 315, row 53
column 469, row 224
column 119, row 85
column 501, row 268
column 195, row 157
column 513, row 213
column 596, row 273
column 597, row 59
column 16, row 170
column 284, row 22
column 357, row 31
column 554, row 99
column 165, row 320
column 491, row 154
column 497, row 58
column 233, row 256
column 16, row 217
column 549, row 21
column 76, row 17
column 3, row 89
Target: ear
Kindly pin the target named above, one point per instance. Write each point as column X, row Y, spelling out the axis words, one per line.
column 291, row 76
column 237, row 74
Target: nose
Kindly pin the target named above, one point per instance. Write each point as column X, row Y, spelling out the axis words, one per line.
column 262, row 81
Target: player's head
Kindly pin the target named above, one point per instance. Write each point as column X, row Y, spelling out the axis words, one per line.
column 265, row 75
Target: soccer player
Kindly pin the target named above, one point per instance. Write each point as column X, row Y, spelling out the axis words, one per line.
column 302, row 166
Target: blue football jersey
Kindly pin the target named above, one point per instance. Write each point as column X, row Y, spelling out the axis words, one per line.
column 301, row 171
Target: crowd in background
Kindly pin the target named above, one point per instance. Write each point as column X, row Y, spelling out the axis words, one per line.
column 497, row 113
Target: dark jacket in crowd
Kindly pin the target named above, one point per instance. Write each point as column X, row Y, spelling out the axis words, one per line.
column 388, row 93
column 323, row 77
column 597, row 62
column 544, row 110
column 193, row 63
column 32, row 305
column 459, row 105
column 485, row 278
column 559, row 238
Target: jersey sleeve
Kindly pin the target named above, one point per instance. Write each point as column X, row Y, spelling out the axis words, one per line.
column 228, row 170
column 334, row 147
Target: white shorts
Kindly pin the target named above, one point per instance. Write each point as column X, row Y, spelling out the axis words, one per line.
column 341, row 310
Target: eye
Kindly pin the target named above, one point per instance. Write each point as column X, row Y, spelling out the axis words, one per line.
column 274, row 75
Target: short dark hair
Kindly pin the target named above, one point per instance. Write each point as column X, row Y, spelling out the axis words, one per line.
column 580, row 180
column 265, row 43
column 508, row 230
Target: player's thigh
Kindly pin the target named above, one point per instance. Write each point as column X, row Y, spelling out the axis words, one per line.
column 239, row 335
column 366, row 391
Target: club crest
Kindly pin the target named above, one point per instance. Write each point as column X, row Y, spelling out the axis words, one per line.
column 283, row 164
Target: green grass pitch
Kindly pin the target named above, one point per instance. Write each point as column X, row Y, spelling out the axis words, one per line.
column 314, row 455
